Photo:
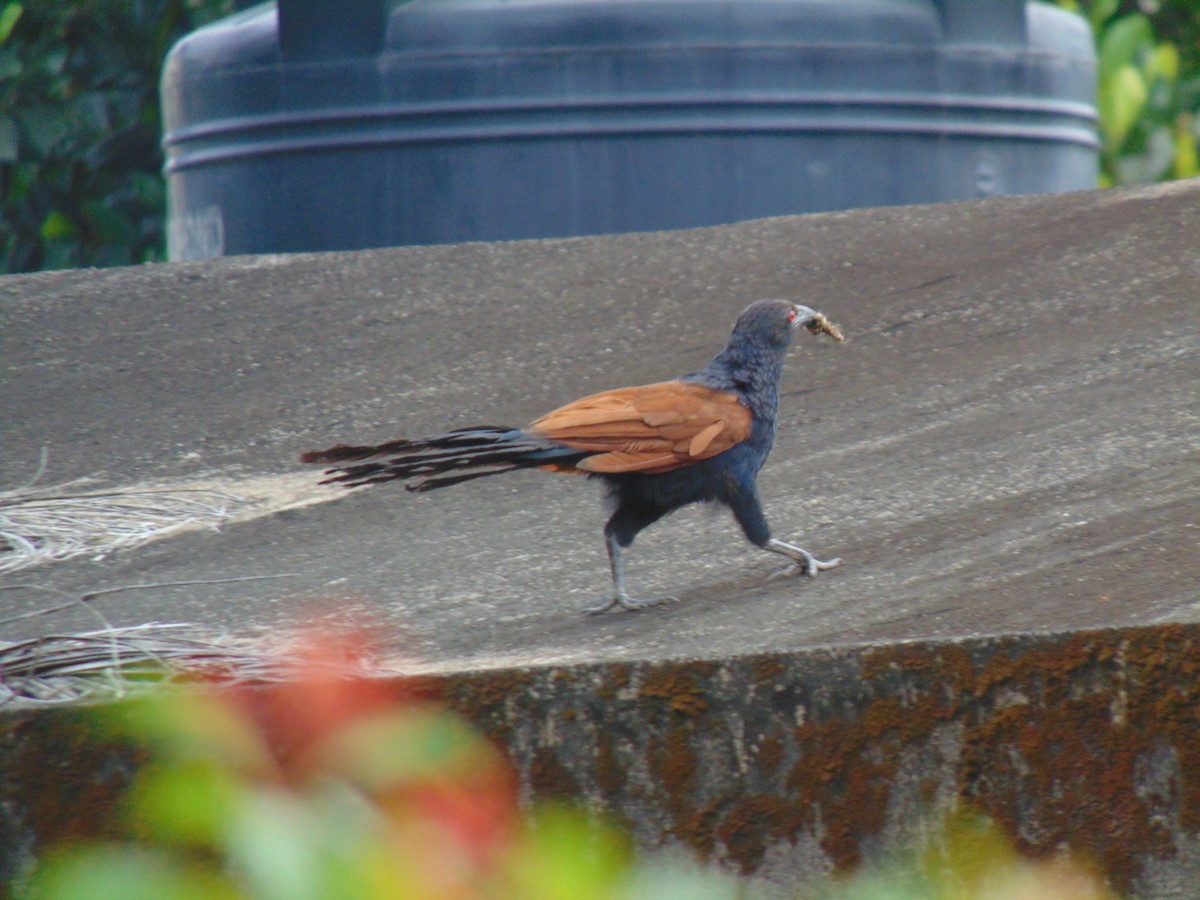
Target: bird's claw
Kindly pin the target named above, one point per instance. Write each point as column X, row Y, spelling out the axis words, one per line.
column 624, row 601
column 808, row 563
column 812, row 565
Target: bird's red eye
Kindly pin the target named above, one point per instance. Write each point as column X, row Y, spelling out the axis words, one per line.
column 791, row 315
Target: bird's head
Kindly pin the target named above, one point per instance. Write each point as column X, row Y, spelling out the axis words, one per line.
column 772, row 322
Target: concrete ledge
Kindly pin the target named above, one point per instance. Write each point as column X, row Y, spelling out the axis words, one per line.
column 787, row 768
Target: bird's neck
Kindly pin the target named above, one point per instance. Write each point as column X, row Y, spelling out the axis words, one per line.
column 754, row 372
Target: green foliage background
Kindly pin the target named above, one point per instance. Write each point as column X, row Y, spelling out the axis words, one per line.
column 80, row 163
column 1148, row 56
column 80, row 179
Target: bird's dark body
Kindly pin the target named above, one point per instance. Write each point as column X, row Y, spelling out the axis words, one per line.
column 649, row 470
column 731, row 477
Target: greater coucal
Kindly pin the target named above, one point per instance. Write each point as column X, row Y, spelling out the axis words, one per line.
column 699, row 438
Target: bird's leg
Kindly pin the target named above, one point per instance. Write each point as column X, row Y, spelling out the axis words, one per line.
column 743, row 500
column 809, row 563
column 619, row 596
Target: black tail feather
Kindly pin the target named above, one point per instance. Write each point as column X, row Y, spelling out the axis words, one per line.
column 346, row 451
column 469, row 453
column 430, row 484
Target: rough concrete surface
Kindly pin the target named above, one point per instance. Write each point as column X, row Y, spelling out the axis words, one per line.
column 1006, row 442
column 1006, row 450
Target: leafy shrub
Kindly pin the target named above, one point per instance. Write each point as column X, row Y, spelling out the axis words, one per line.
column 80, row 181
column 333, row 782
column 1148, row 92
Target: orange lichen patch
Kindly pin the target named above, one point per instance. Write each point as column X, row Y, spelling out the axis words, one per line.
column 770, row 752
column 927, row 791
column 673, row 765
column 1060, row 733
column 615, row 679
column 846, row 770
column 611, row 776
column 754, row 824
column 678, row 685
column 768, row 668
column 66, row 777
column 549, row 778
column 1150, row 708
column 480, row 695
column 948, row 662
column 698, row 831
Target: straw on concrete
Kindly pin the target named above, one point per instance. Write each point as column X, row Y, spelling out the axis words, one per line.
column 112, row 662
column 36, row 530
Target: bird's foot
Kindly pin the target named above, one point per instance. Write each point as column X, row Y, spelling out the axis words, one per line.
column 808, row 563
column 624, row 601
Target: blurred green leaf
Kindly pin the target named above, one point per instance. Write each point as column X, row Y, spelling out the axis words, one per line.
column 53, row 63
column 56, row 226
column 1138, row 117
column 11, row 65
column 1162, row 63
column 1101, row 11
column 185, row 803
column 125, row 872
column 679, row 878
column 8, row 19
column 1186, row 163
column 1123, row 94
column 562, row 855
column 382, row 750
column 273, row 845
column 107, row 226
column 60, row 254
column 181, row 726
column 970, row 852
column 89, row 112
column 1121, row 42
column 148, row 190
column 22, row 177
column 8, row 140
column 892, row 884
column 45, row 127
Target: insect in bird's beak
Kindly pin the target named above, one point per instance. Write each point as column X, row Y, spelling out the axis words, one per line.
column 815, row 322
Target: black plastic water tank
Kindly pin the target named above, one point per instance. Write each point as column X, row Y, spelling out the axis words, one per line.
column 339, row 125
